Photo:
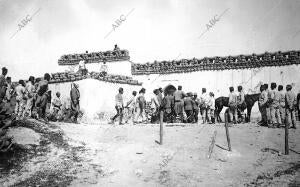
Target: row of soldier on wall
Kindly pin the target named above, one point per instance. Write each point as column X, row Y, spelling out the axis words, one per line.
column 32, row 99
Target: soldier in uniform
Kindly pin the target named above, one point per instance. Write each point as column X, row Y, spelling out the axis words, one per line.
column 141, row 106
column 179, row 95
column 119, row 106
column 268, row 104
column 3, row 84
column 281, row 103
column 263, row 99
column 188, row 107
column 232, row 103
column 42, row 97
column 290, row 106
column 160, row 96
column 203, row 105
column 211, row 108
column 276, row 107
column 241, row 105
column 167, row 106
column 273, row 105
column 131, row 104
column 30, row 89
column 196, row 107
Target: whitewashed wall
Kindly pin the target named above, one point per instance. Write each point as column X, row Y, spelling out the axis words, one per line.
column 220, row 81
column 95, row 96
column 98, row 96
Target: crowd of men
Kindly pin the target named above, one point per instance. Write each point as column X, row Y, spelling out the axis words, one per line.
column 32, row 99
column 177, row 106
column 278, row 107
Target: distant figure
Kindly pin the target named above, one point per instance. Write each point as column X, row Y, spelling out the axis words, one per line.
column 30, row 89
column 274, row 106
column 203, row 105
column 103, row 69
column 290, row 106
column 2, row 77
column 116, row 48
column 49, row 99
column 3, row 85
column 56, row 103
column 9, row 90
column 241, row 104
column 268, row 104
column 188, row 107
column 232, row 103
column 131, row 104
column 154, row 106
column 281, row 104
column 141, row 106
column 263, row 99
column 75, row 107
column 211, row 108
column 179, row 103
column 167, row 107
column 119, row 107
column 20, row 99
column 82, row 69
column 160, row 96
column 196, row 107
column 42, row 97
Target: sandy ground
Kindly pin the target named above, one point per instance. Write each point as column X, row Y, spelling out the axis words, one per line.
column 106, row 155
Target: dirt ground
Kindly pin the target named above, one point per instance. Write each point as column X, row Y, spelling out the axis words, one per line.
column 60, row 154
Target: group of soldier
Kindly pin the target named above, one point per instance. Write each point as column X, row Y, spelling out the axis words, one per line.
column 177, row 106
column 32, row 99
column 277, row 107
column 135, row 106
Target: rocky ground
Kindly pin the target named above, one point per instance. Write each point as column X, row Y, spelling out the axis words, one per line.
column 60, row 154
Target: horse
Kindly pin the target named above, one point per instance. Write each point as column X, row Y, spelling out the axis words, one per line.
column 250, row 100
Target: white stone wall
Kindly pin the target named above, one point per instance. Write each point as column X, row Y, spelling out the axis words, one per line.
column 95, row 96
column 220, row 81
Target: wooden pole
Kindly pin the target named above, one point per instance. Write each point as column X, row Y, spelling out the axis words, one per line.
column 286, row 138
column 227, row 132
column 212, row 144
column 161, row 119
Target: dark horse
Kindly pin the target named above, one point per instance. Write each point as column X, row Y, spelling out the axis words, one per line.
column 250, row 100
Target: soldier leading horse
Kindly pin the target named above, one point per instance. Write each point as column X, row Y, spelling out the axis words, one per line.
column 221, row 102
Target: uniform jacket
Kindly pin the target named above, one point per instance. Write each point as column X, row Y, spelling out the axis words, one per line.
column 204, row 100
column 241, row 97
column 20, row 91
column 232, row 99
column 119, row 100
column 211, row 103
column 290, row 100
column 281, row 99
column 179, row 95
column 42, row 87
column 75, row 95
column 188, row 103
column 276, row 100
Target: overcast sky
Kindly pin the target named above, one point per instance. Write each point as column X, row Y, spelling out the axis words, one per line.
column 154, row 30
